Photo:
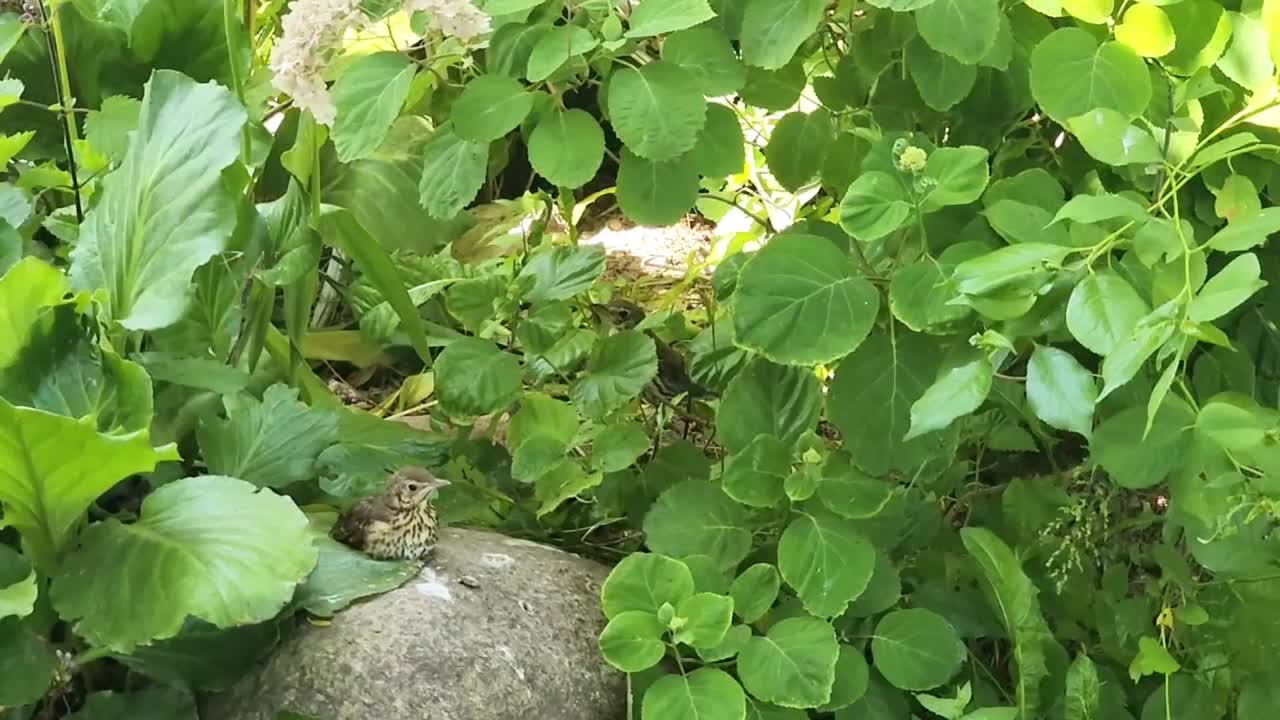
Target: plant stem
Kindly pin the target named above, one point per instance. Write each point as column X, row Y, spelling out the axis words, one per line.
column 62, row 85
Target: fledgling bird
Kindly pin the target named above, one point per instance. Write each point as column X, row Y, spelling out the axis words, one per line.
column 398, row 524
column 673, row 378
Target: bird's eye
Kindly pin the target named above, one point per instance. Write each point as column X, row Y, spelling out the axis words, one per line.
column 413, row 487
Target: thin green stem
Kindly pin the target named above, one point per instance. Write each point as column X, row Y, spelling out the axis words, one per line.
column 62, row 85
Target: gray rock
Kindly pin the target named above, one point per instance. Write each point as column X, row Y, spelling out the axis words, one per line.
column 493, row 629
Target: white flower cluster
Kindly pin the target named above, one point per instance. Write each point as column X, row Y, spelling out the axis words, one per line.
column 455, row 18
column 313, row 32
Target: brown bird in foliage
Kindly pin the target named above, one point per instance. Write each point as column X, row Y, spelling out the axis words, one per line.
column 399, row 524
column 672, row 379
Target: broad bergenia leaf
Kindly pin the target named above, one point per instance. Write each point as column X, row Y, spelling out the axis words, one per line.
column 226, row 552
column 165, row 211
column 272, row 443
column 344, row 575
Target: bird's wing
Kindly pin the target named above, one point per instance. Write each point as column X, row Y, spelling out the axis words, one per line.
column 352, row 524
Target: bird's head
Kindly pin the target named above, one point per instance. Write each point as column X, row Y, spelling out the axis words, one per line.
column 411, row 486
column 621, row 314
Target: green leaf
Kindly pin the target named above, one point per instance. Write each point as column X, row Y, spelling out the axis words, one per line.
column 720, row 151
column 644, row 582
column 852, row 678
column 154, row 703
column 656, row 17
column 27, row 663
column 1149, row 334
column 826, row 561
column 474, row 377
column 273, row 443
column 657, row 193
column 1146, row 29
column 165, row 211
column 1107, row 135
column 536, row 457
column 47, row 489
column 882, row 593
column 1136, row 458
column 960, row 389
column 1082, row 690
column 489, row 107
column 1103, row 311
column 617, row 447
column 964, row 29
column 793, row 665
column 1247, row 61
column 233, row 554
column 620, row 367
column 703, row 620
column 541, row 415
column 846, row 491
column 1091, row 209
column 951, row 708
column 567, row 147
column 704, row 694
column 1013, row 597
column 1071, row 74
column 1247, row 233
column 453, row 172
column 1152, row 658
column 657, row 110
column 800, row 300
column 368, row 95
column 1060, row 391
column 754, row 591
column 18, row 588
column 708, row 55
column 768, row 399
column 961, row 175
column 554, row 47
column 1095, row 12
column 25, row 290
column 1228, row 289
column 797, row 147
column 107, row 129
column 773, row 30
column 920, row 297
column 560, row 272
column 916, row 649
column 756, row 475
column 344, row 575
column 632, row 641
column 875, row 205
column 942, row 80
column 697, row 518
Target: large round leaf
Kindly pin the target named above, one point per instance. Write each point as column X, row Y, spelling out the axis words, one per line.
column 221, row 549
column 474, row 377
column 755, row 476
column 793, row 665
column 1103, row 311
column 489, row 107
column 1071, row 74
column 619, row 368
column 657, row 111
column 720, row 151
column 852, row 677
column 704, row 694
column 657, row 17
column 768, row 399
column 706, row 53
column 798, row 146
column 697, row 518
column 964, row 29
column 826, row 561
column 772, row 30
column 916, row 649
column 272, row 443
column 644, row 582
column 875, row 205
column 567, row 148
column 801, row 301
column 657, row 193
column 754, row 591
column 632, row 641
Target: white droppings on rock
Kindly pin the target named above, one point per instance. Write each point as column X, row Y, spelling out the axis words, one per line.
column 434, row 585
column 497, row 560
column 510, row 657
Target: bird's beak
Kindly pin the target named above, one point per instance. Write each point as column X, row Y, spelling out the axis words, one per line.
column 441, row 482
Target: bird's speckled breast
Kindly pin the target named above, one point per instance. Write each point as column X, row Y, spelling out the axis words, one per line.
column 408, row 536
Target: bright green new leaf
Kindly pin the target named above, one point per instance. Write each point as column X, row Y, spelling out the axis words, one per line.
column 1137, row 458
column 560, row 272
column 708, row 55
column 165, row 211
column 1248, row 233
column 1007, row 265
column 11, row 145
column 228, row 552
column 632, row 641
column 768, row 399
column 657, row 193
column 942, row 80
column 964, row 29
column 800, row 300
column 453, row 171
column 25, row 290
column 875, row 205
column 18, row 589
column 273, row 443
column 1152, row 658
column 1146, row 29
column 1107, row 135
column 656, row 17
column 793, row 665
column 368, row 95
column 645, row 582
column 960, row 389
column 1071, row 74
column 567, row 147
column 797, row 147
column 755, row 475
column 1096, row 12
column 826, row 560
column 657, row 110
column 619, row 368
column 46, row 489
column 1228, row 289
column 950, row 707
column 697, row 518
column 916, row 649
column 1060, row 390
column 107, row 129
column 773, row 30
column 474, row 377
column 11, row 90
column 1082, row 690
column 754, row 591
column 704, row 694
column 489, row 107
column 1149, row 334
column 344, row 575
column 554, row 47
column 703, row 619
column 1103, row 311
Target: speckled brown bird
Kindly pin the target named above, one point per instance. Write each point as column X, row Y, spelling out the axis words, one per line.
column 399, row 524
column 672, row 379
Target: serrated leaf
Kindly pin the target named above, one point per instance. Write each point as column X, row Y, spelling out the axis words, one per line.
column 773, row 30
column 489, row 107
column 793, row 665
column 1082, row 690
column 1071, row 74
column 875, row 205
column 368, row 96
column 273, row 443
column 655, row 17
column 632, row 641
column 707, row 54
column 797, row 146
column 766, row 398
column 453, row 172
column 695, row 517
column 754, row 591
column 657, row 193
column 941, row 80
column 704, row 694
column 474, row 377
column 619, row 368
column 554, row 47
column 644, row 582
column 826, row 560
column 657, row 110
column 964, row 29
column 567, row 148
